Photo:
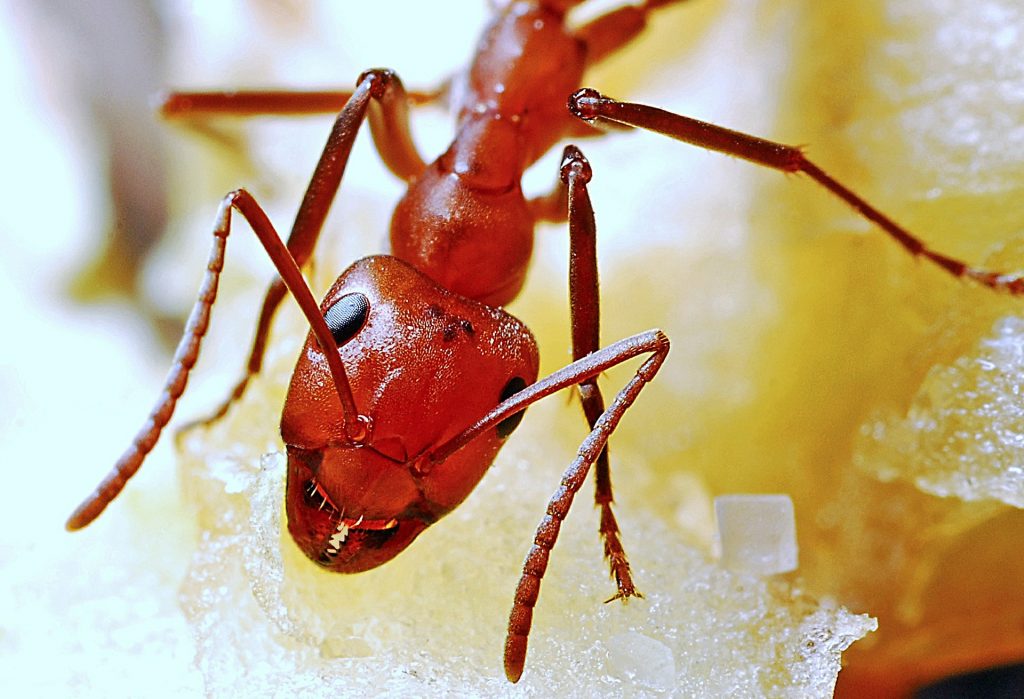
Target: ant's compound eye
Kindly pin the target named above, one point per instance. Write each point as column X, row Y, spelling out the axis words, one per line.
column 509, row 424
column 347, row 316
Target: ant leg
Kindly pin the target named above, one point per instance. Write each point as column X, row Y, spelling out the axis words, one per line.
column 381, row 86
column 188, row 350
column 389, row 120
column 585, row 307
column 589, row 105
column 389, row 125
column 592, row 448
column 607, row 33
column 536, row 563
column 249, row 103
column 571, row 201
column 652, row 342
column 183, row 106
column 552, row 207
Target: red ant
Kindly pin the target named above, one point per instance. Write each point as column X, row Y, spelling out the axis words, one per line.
column 412, row 377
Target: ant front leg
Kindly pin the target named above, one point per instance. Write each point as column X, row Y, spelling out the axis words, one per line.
column 590, row 105
column 389, row 125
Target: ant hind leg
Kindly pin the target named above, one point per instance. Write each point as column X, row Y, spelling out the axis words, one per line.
column 593, row 107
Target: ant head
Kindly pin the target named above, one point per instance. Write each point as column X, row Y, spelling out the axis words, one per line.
column 424, row 364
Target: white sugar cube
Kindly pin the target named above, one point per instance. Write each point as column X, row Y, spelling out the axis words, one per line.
column 757, row 533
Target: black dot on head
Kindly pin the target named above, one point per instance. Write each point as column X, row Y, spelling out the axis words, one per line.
column 347, row 316
column 509, row 424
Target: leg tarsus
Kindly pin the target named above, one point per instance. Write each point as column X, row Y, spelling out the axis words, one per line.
column 614, row 553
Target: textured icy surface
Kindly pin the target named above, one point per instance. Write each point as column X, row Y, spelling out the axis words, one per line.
column 963, row 434
column 432, row 620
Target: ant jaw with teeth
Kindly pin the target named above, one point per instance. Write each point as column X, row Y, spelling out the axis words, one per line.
column 369, row 530
column 326, row 528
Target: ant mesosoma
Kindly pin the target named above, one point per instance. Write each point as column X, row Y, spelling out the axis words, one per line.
column 412, row 376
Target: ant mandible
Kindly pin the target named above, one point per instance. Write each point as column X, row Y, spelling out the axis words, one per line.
column 412, row 377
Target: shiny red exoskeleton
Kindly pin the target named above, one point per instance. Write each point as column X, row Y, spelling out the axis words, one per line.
column 412, row 377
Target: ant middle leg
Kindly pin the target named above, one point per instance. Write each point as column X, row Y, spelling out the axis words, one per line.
column 571, row 201
column 185, row 105
column 585, row 310
column 607, row 33
column 389, row 124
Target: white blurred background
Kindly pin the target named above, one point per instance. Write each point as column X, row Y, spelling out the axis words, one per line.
column 92, row 292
